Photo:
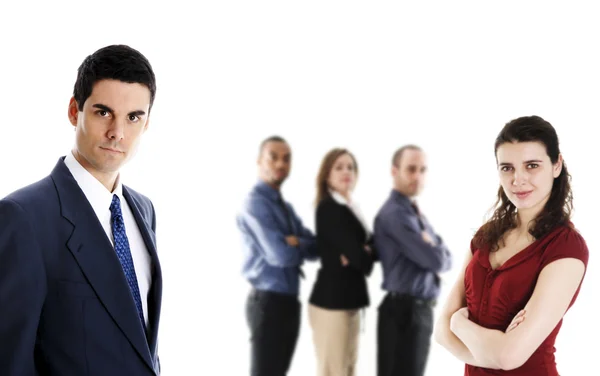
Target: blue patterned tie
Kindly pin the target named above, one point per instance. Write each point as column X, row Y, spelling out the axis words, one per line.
column 124, row 254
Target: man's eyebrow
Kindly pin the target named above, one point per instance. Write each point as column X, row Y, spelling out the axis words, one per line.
column 137, row 113
column 103, row 107
column 110, row 110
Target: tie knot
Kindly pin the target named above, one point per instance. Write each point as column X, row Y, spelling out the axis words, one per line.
column 115, row 206
column 416, row 208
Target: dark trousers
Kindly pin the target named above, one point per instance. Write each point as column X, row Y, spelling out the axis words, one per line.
column 274, row 323
column 404, row 328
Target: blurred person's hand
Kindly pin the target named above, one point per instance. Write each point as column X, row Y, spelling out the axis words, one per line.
column 292, row 240
column 427, row 238
column 344, row 260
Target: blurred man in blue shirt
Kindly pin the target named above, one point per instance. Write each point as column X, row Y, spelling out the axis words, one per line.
column 275, row 244
column 412, row 255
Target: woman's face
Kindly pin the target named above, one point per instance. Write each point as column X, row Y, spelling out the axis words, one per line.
column 526, row 173
column 342, row 176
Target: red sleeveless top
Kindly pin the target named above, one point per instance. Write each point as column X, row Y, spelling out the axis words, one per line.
column 494, row 297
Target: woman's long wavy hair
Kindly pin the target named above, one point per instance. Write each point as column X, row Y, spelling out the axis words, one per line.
column 557, row 210
column 325, row 170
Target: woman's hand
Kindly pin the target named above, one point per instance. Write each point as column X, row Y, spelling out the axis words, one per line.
column 344, row 260
column 516, row 321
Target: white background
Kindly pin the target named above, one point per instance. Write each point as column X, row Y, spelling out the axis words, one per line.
column 369, row 76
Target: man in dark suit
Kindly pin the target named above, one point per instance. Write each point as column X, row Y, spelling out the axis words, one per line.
column 80, row 280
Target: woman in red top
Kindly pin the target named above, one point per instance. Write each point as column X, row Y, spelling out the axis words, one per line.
column 525, row 266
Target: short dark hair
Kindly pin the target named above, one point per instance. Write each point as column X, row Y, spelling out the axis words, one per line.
column 116, row 62
column 274, row 138
column 398, row 154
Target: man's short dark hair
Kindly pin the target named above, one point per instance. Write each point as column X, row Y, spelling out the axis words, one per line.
column 115, row 62
column 398, row 154
column 270, row 139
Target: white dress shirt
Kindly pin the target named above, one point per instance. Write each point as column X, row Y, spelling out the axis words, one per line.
column 100, row 199
column 353, row 207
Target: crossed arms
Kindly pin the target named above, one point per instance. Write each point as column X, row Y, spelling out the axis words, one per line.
column 494, row 349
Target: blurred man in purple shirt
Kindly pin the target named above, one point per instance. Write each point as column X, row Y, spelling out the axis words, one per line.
column 412, row 255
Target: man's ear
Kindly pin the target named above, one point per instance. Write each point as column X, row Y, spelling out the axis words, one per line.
column 73, row 111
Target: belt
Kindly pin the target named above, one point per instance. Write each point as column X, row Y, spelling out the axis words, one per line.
column 409, row 298
column 255, row 293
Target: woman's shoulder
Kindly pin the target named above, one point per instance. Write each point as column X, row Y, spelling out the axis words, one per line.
column 477, row 244
column 565, row 241
column 328, row 204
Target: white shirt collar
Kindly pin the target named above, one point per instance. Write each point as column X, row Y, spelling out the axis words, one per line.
column 96, row 193
column 339, row 198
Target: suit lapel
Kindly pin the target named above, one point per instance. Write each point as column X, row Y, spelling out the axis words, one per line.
column 98, row 261
column 154, row 297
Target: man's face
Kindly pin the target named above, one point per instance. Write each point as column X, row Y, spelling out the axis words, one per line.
column 275, row 162
column 409, row 175
column 110, row 126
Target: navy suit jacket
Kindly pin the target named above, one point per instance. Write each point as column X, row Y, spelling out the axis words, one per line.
column 65, row 306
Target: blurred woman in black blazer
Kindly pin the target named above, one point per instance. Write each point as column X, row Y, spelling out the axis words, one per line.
column 344, row 245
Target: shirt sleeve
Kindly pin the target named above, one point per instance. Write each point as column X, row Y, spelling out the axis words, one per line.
column 22, row 291
column 410, row 243
column 568, row 244
column 307, row 240
column 259, row 222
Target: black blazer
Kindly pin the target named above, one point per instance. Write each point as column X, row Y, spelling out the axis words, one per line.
column 340, row 232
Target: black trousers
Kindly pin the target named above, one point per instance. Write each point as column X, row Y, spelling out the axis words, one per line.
column 404, row 329
column 274, row 323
